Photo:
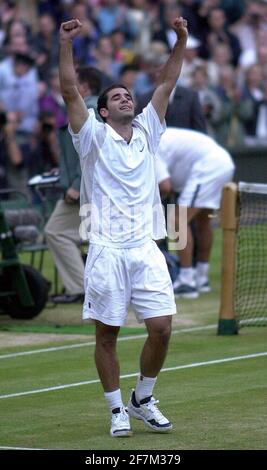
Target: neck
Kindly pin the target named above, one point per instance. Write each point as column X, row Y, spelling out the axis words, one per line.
column 125, row 130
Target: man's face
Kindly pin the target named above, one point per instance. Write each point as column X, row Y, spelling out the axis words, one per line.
column 21, row 69
column 120, row 106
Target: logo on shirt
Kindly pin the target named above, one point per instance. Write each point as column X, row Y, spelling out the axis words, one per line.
column 141, row 150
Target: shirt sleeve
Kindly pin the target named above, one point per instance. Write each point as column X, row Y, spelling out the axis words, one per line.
column 82, row 141
column 152, row 126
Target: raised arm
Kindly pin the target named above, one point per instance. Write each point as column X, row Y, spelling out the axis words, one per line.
column 76, row 107
column 171, row 69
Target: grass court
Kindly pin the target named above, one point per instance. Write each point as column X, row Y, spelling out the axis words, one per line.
column 212, row 388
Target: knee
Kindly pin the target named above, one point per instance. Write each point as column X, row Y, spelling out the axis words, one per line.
column 49, row 232
column 107, row 344
column 106, row 340
column 161, row 331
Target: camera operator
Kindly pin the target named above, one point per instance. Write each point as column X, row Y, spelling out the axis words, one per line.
column 45, row 146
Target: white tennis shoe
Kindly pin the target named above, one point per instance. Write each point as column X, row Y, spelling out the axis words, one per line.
column 148, row 412
column 120, row 423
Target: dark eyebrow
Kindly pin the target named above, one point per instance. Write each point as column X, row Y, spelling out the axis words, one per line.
column 119, row 94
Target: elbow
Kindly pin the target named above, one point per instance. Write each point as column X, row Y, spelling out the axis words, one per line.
column 165, row 188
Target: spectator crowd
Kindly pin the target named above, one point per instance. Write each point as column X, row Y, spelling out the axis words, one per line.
column 225, row 63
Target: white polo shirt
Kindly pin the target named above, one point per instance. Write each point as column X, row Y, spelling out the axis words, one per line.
column 120, row 202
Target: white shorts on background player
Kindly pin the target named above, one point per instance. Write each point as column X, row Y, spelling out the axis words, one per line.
column 124, row 265
column 197, row 166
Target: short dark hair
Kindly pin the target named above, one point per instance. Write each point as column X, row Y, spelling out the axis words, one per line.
column 103, row 97
column 24, row 58
column 92, row 77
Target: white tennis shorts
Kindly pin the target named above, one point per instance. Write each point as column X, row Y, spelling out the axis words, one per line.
column 116, row 278
column 204, row 186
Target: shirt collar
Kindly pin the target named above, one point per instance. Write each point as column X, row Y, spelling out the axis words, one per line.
column 117, row 136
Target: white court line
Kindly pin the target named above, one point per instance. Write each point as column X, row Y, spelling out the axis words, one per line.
column 92, row 343
column 126, row 376
column 19, row 448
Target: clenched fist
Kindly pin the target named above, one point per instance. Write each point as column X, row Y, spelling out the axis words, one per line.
column 70, row 29
column 180, row 27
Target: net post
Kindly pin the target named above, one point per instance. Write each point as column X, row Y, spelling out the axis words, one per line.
column 227, row 322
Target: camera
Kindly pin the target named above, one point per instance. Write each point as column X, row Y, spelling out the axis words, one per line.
column 254, row 18
column 47, row 127
column 3, row 119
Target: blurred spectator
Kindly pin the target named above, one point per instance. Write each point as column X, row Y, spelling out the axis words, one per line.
column 52, row 100
column 51, row 7
column 165, row 33
column 15, row 156
column 150, row 65
column 44, row 144
column 235, row 112
column 261, row 125
column 184, row 108
column 191, row 61
column 114, row 15
column 103, row 58
column 251, row 56
column 80, row 9
column 19, row 90
column 246, row 29
column 253, row 90
column 84, row 43
column 15, row 29
column 121, row 52
column 219, row 59
column 46, row 45
column 233, row 9
column 218, row 32
column 16, row 44
column 189, row 10
column 127, row 78
column 142, row 13
column 8, row 12
column 208, row 98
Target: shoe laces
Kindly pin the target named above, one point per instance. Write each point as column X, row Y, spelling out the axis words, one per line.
column 151, row 406
column 121, row 416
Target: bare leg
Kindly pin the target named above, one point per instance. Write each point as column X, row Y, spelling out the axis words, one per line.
column 106, row 356
column 186, row 255
column 151, row 362
column 156, row 345
column 204, row 235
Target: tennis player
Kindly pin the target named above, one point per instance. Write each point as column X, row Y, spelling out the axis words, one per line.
column 124, row 266
column 196, row 168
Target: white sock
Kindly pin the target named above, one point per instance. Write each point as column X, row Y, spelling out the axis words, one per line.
column 114, row 399
column 202, row 269
column 187, row 275
column 144, row 387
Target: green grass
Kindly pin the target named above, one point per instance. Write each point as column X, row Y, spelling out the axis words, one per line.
column 220, row 406
column 213, row 406
column 67, row 318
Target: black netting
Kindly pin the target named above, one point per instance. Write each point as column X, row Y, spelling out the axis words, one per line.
column 251, row 260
